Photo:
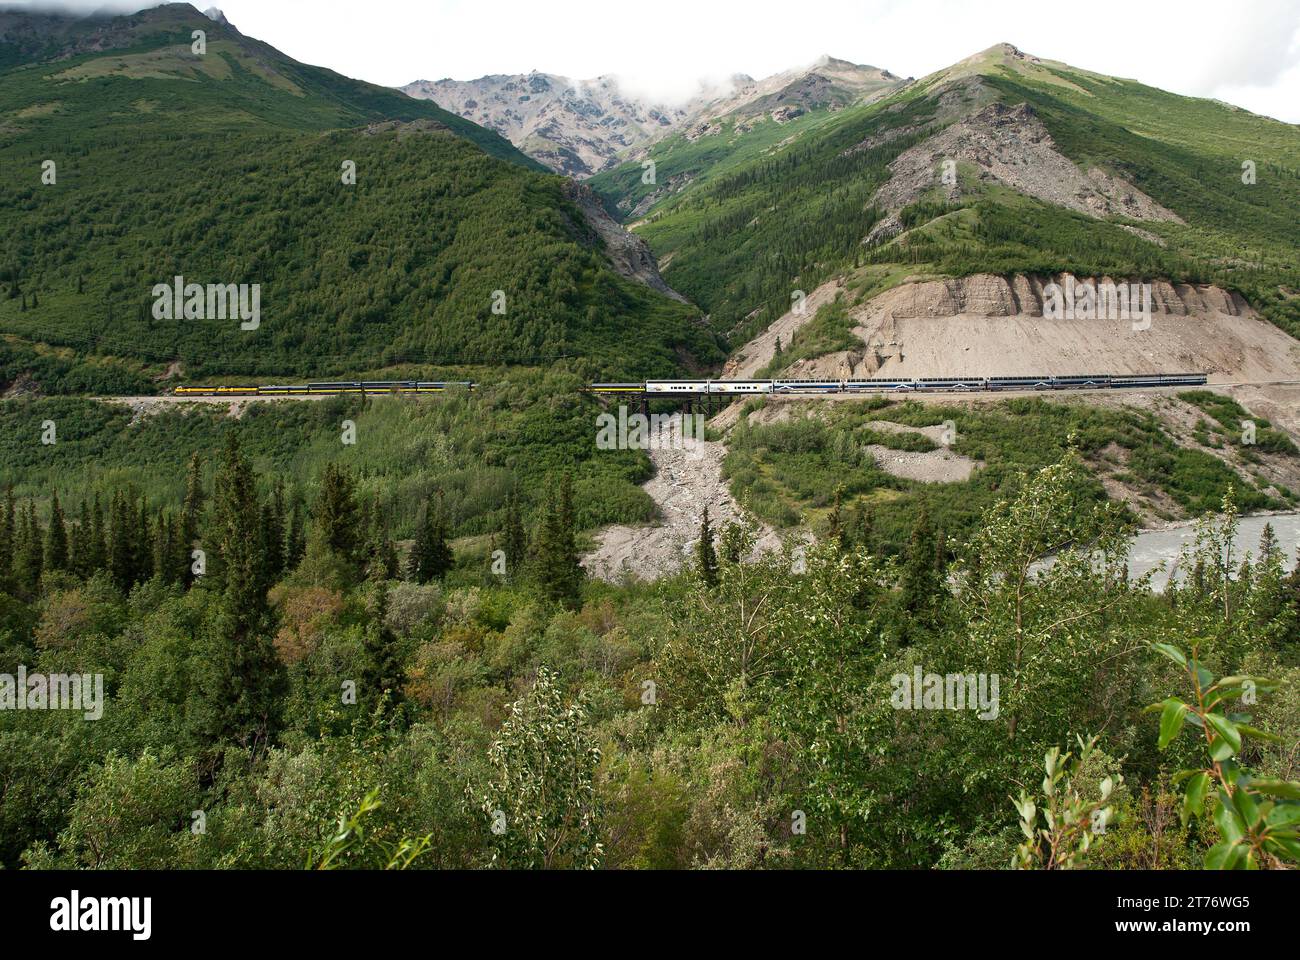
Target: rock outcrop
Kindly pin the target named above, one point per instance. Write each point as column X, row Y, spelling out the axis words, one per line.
column 627, row 252
column 1009, row 145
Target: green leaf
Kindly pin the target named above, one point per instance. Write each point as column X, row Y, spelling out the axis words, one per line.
column 1220, row 750
column 1259, row 734
column 1226, row 729
column 1287, row 789
column 1194, row 798
column 1284, row 814
column 1286, row 848
column 1227, row 819
column 1246, row 806
column 1171, row 721
column 1170, row 651
column 1216, row 858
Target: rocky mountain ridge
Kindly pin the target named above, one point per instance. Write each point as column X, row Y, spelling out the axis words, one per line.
column 580, row 127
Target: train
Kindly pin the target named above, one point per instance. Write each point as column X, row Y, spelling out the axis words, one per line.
column 324, row 389
column 1083, row 381
column 730, row 388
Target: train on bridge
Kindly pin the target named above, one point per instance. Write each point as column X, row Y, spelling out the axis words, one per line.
column 1089, row 381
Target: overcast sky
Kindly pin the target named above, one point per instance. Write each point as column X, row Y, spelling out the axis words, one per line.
column 1246, row 52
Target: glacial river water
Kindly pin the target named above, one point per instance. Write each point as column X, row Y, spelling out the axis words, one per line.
column 1153, row 547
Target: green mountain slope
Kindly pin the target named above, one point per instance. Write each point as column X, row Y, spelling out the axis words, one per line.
column 789, row 217
column 227, row 169
column 66, row 76
column 778, row 111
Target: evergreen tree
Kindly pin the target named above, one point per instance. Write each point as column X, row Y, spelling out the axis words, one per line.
column 273, row 535
column 835, row 522
column 1269, row 549
column 238, row 696
column 96, row 542
column 31, row 553
column 56, row 537
column 382, row 675
column 385, row 560
column 431, row 556
column 142, row 547
column 296, row 538
column 78, row 542
column 7, row 537
column 121, row 546
column 336, row 513
column 514, row 540
column 165, row 565
column 920, row 585
column 192, row 512
column 555, row 554
column 706, row 559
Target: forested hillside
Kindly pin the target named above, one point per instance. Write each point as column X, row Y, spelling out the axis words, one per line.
column 357, row 632
column 739, row 232
column 446, row 249
column 313, row 695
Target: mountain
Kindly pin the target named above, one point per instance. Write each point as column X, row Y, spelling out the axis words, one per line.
column 1050, row 170
column 61, row 67
column 575, row 127
column 451, row 248
column 580, row 127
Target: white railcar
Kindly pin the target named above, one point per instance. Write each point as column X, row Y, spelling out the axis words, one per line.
column 676, row 386
column 740, row 386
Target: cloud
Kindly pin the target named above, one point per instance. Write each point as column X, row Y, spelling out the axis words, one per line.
column 1244, row 52
column 80, row 8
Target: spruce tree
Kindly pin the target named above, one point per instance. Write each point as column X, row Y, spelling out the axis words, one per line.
column 1269, row 549
column 382, row 675
column 336, row 513
column 296, row 538
column 431, row 557
column 384, row 559
column 142, row 553
column 164, row 549
column 96, row 542
column 443, row 558
column 920, row 585
column 56, row 537
column 707, row 560
column 192, row 512
column 121, row 543
column 7, row 534
column 31, row 553
column 272, row 540
column 420, row 562
column 514, row 540
column 78, row 541
column 558, row 572
column 862, row 528
column 242, row 681
column 836, row 519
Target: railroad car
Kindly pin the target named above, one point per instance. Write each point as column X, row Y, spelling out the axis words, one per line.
column 333, row 388
column 676, row 386
column 807, row 386
column 739, row 386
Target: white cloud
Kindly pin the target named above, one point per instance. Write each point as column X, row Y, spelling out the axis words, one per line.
column 1245, row 52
